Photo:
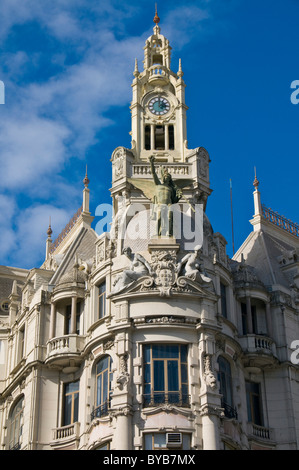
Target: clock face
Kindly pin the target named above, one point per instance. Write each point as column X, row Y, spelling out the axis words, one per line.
column 159, row 106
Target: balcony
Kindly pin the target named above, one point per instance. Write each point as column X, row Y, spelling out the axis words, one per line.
column 260, row 433
column 66, row 436
column 65, row 351
column 259, row 350
column 100, row 411
column 159, row 74
column 163, row 398
column 229, row 411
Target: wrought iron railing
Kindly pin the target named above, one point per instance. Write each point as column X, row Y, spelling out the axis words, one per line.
column 229, row 411
column 101, row 410
column 173, row 398
column 16, row 446
column 280, row 221
column 66, row 230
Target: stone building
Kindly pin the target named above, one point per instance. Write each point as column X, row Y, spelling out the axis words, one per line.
column 150, row 336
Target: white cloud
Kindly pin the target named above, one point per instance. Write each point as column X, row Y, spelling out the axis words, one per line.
column 45, row 123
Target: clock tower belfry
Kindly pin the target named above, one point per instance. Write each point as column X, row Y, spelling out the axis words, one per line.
column 158, row 106
column 158, row 130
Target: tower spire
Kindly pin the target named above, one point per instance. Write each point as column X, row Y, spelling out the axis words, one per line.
column 49, row 239
column 156, row 18
column 256, row 196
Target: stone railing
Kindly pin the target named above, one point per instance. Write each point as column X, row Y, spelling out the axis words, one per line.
column 258, row 343
column 66, row 432
column 260, row 432
column 141, row 170
column 280, row 221
column 158, row 71
column 68, row 344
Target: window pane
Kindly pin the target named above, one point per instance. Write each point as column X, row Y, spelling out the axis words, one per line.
column 166, row 351
column 102, row 364
column 159, row 383
column 72, row 387
column 184, row 353
column 76, row 407
column 257, row 418
column 186, row 441
column 148, row 442
column 99, row 390
column 159, row 441
column 67, row 410
column 184, row 374
column 147, row 353
column 147, row 373
column 173, row 375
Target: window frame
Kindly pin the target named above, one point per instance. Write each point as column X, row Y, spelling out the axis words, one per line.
column 154, row 397
column 74, row 405
column 254, row 414
column 15, row 423
column 101, row 300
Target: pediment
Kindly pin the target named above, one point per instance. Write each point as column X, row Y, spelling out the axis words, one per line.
column 166, row 287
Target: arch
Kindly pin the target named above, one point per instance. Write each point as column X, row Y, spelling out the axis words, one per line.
column 15, row 423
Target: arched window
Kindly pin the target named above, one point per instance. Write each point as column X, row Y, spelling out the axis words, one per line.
column 15, row 425
column 103, row 386
column 226, row 389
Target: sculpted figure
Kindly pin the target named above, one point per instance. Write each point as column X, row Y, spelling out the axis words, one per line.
column 139, row 267
column 162, row 193
column 191, row 266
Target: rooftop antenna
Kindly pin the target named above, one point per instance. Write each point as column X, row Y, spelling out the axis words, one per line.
column 231, row 210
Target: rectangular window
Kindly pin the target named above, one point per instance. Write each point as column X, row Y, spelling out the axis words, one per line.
column 159, row 138
column 223, row 292
column 71, row 403
column 171, row 137
column 21, row 347
column 254, row 408
column 165, row 374
column 147, row 137
column 158, row 441
column 102, row 300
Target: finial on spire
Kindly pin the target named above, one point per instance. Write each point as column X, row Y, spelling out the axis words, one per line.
column 156, row 18
column 49, row 231
column 86, row 180
column 136, row 71
column 180, row 72
column 256, row 181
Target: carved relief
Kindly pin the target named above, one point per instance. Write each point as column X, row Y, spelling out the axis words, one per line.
column 209, row 375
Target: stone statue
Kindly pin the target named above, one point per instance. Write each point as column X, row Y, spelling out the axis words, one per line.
column 191, row 266
column 162, row 194
column 139, row 267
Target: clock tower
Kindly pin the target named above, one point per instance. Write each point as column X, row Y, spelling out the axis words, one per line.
column 158, row 129
column 158, row 106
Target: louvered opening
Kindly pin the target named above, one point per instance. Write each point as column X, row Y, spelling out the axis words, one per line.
column 174, row 439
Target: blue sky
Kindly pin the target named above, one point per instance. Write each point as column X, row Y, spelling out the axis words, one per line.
column 67, row 68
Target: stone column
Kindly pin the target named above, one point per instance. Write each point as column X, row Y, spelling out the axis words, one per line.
column 123, row 429
column 53, row 320
column 152, row 137
column 74, row 315
column 210, row 428
column 166, row 137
